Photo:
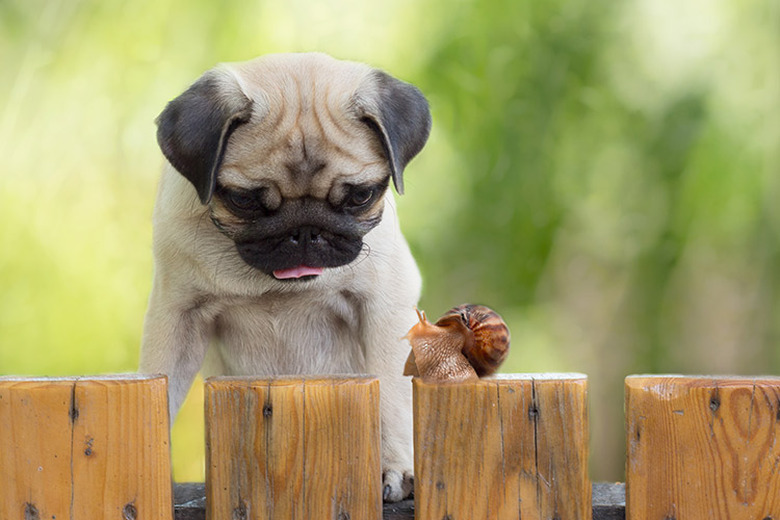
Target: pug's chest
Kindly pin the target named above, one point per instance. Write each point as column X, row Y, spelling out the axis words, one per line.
column 287, row 336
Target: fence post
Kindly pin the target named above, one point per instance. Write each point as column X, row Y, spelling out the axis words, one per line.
column 293, row 448
column 85, row 448
column 513, row 446
column 702, row 447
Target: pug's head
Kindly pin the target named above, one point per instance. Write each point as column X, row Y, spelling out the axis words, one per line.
column 293, row 154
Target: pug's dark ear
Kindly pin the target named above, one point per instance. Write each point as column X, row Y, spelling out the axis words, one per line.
column 194, row 128
column 398, row 113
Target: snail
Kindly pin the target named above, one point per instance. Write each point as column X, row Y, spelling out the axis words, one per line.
column 468, row 342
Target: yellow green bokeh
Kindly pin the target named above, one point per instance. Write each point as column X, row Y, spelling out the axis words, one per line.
column 605, row 174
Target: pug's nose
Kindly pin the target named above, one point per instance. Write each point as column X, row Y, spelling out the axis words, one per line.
column 305, row 235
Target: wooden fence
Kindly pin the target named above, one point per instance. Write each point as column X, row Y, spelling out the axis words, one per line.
column 510, row 447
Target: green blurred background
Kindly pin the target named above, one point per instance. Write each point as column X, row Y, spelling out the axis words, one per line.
column 604, row 174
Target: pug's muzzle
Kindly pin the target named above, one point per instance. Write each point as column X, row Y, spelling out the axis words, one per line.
column 300, row 238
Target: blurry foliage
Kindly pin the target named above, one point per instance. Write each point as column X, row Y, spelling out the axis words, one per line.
column 507, row 83
column 604, row 174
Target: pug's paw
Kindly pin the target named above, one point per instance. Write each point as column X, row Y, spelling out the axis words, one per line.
column 397, row 484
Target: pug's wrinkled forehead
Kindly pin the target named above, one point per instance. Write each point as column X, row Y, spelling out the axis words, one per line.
column 297, row 122
column 303, row 136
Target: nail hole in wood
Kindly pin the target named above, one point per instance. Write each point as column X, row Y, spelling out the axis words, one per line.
column 88, row 447
column 30, row 512
column 714, row 405
column 239, row 513
column 129, row 512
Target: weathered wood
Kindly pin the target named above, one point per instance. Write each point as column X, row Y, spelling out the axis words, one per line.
column 84, row 448
column 293, row 448
column 502, row 448
column 609, row 503
column 702, row 447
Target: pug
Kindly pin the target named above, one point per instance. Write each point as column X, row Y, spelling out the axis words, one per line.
column 277, row 248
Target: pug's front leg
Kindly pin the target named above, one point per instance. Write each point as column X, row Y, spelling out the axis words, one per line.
column 174, row 343
column 386, row 355
column 397, row 442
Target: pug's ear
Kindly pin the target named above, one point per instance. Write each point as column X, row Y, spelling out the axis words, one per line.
column 398, row 113
column 194, row 128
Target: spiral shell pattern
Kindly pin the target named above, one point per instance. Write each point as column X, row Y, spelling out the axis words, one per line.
column 489, row 345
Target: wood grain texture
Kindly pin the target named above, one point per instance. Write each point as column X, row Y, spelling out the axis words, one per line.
column 293, row 448
column 502, row 448
column 702, row 447
column 85, row 448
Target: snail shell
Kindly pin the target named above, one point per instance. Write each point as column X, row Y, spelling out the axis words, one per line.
column 469, row 341
column 487, row 345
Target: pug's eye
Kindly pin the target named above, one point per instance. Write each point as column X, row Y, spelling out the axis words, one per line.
column 244, row 202
column 241, row 201
column 360, row 197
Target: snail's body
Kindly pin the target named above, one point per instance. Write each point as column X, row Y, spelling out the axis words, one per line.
column 468, row 342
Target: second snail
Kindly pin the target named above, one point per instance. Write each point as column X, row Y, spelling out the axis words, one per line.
column 466, row 343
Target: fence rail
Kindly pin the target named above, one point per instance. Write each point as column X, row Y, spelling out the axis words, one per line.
column 609, row 503
column 514, row 446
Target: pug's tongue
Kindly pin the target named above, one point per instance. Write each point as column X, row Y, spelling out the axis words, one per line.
column 297, row 272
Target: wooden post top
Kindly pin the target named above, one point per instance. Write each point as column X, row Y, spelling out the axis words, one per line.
column 132, row 377
column 668, row 382
column 313, row 379
column 704, row 377
column 508, row 379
